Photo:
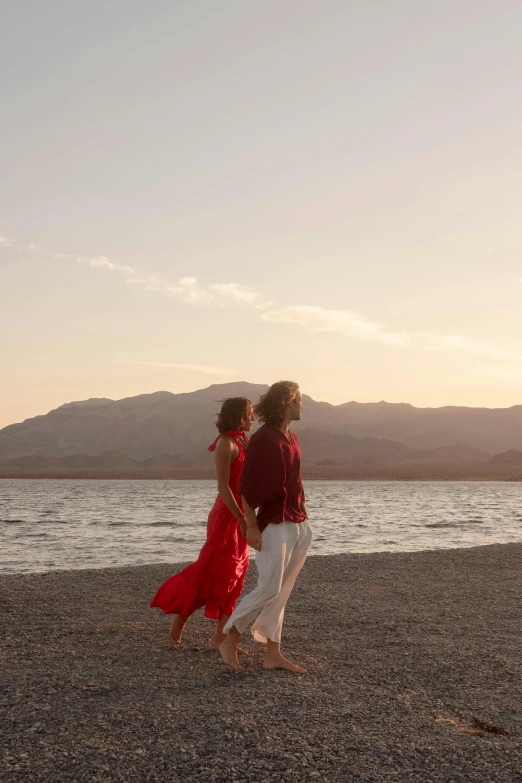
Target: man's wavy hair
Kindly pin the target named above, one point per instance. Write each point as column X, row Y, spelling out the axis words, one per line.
column 233, row 411
column 271, row 407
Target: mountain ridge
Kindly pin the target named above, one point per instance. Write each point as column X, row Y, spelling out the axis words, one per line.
column 181, row 426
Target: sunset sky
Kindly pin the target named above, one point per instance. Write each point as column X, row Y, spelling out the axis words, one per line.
column 195, row 193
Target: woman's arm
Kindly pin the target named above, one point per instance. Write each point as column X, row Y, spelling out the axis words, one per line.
column 226, row 451
column 253, row 534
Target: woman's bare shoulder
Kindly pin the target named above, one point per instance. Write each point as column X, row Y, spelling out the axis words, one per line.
column 226, row 444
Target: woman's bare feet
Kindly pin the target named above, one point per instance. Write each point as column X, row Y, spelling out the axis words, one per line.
column 228, row 651
column 176, row 629
column 275, row 660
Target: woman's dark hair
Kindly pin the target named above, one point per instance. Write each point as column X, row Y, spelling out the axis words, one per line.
column 233, row 411
column 271, row 407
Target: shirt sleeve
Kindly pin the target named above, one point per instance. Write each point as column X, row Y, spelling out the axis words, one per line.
column 263, row 477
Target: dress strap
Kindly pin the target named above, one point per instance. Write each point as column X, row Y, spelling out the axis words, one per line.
column 212, row 446
column 234, row 434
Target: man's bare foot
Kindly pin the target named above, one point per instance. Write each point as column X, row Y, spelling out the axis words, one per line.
column 239, row 650
column 176, row 629
column 228, row 652
column 220, row 639
column 280, row 662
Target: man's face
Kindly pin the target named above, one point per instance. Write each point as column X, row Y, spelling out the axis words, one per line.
column 296, row 407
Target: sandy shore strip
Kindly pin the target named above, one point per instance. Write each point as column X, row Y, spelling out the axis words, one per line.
column 415, row 675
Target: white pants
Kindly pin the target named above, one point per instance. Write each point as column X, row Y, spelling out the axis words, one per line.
column 282, row 556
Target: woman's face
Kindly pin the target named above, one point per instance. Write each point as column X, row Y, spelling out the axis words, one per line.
column 248, row 419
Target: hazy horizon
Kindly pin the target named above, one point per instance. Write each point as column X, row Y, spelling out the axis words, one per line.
column 200, row 193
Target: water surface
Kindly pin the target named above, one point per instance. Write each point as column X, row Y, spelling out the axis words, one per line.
column 48, row 524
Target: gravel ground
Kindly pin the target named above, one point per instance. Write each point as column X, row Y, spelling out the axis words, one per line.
column 415, row 674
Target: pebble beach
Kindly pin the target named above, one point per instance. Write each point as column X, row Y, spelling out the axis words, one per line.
column 414, row 675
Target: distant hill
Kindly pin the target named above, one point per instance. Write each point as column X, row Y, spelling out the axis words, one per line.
column 488, row 429
column 111, row 460
column 141, row 427
column 164, row 431
column 511, row 457
column 319, row 448
column 458, row 452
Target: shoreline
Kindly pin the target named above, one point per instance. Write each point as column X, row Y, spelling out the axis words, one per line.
column 512, row 473
column 179, row 565
column 414, row 660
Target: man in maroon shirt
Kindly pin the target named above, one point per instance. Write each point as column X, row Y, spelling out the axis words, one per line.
column 280, row 532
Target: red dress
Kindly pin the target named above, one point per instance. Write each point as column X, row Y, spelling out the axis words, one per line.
column 215, row 579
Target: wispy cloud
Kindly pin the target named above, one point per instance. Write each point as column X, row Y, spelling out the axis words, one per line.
column 14, row 243
column 187, row 288
column 320, row 319
column 311, row 317
column 236, row 293
column 208, row 369
column 459, row 343
column 239, row 295
column 104, row 263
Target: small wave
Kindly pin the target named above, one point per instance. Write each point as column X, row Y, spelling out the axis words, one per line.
column 109, row 523
column 53, row 521
column 457, row 524
column 12, row 521
column 161, row 524
column 182, row 540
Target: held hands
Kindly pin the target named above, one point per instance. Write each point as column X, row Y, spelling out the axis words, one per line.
column 254, row 537
column 253, row 533
column 242, row 524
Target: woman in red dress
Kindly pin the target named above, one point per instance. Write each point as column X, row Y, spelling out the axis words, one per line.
column 215, row 579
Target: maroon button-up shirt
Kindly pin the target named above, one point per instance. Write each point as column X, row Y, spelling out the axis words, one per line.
column 271, row 478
